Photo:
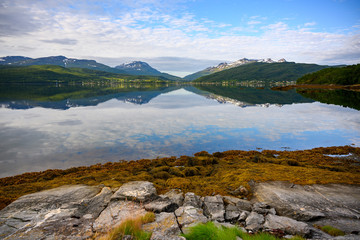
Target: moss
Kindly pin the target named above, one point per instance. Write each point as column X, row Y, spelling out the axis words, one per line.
column 331, row 230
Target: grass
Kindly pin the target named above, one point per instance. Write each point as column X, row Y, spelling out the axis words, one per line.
column 209, row 231
column 131, row 227
column 204, row 174
column 331, row 230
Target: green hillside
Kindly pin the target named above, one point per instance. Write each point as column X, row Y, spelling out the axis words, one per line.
column 349, row 75
column 288, row 71
column 52, row 73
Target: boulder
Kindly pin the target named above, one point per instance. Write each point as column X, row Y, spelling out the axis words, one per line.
column 240, row 203
column 116, row 212
column 214, row 208
column 191, row 199
column 175, row 195
column 263, row 208
column 66, row 212
column 188, row 216
column 254, row 221
column 243, row 215
column 244, row 205
column 161, row 205
column 310, row 202
column 232, row 212
column 140, row 191
column 288, row 225
column 165, row 227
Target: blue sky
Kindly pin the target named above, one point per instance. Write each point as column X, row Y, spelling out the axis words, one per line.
column 183, row 36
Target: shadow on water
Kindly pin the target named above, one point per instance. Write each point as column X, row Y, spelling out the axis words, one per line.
column 252, row 95
column 340, row 97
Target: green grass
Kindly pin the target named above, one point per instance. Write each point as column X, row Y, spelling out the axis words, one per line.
column 209, row 231
column 131, row 227
column 332, row 231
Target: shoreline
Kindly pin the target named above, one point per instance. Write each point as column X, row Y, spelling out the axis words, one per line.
column 355, row 87
column 203, row 173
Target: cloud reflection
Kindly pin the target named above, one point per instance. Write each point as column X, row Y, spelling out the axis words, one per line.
column 175, row 123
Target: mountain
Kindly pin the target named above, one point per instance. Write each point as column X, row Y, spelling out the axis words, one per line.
column 142, row 68
column 134, row 68
column 348, row 75
column 58, row 74
column 224, row 66
column 59, row 61
column 261, row 71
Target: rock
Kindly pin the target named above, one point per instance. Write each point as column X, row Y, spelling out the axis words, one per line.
column 214, row 208
column 140, row 191
column 263, row 208
column 244, row 205
column 161, row 205
column 240, row 191
column 188, row 216
column 116, row 212
column 231, row 213
column 230, row 200
column 165, row 227
column 228, row 225
column 243, row 215
column 176, row 196
column 254, row 221
column 287, row 225
column 60, row 213
column 191, row 199
column 305, row 203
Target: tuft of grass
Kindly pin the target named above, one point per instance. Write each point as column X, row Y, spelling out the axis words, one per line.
column 131, row 227
column 332, row 230
column 209, row 231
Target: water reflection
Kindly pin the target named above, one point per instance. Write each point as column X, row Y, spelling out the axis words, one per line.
column 175, row 121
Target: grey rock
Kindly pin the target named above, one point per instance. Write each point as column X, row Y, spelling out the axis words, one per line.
column 244, row 205
column 231, row 200
column 165, row 227
column 254, row 221
column 60, row 213
column 188, row 216
column 214, row 208
column 161, row 205
column 313, row 202
column 231, row 212
column 243, row 215
column 115, row 213
column 191, row 199
column 140, row 191
column 175, row 195
column 288, row 225
column 263, row 208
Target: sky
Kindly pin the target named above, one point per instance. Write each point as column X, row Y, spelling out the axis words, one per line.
column 182, row 36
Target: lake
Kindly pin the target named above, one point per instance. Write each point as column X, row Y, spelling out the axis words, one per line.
column 47, row 127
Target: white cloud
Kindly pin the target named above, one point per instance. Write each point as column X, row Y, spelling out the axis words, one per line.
column 149, row 31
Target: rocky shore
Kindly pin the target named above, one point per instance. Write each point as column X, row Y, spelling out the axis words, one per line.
column 87, row 212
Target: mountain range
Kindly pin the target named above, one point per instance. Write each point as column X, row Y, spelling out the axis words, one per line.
column 133, row 68
column 224, row 66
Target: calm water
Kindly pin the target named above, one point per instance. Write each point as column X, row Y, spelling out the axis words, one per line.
column 60, row 131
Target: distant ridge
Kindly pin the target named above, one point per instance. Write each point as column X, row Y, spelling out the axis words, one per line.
column 134, row 68
column 224, row 66
column 262, row 71
column 143, row 68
